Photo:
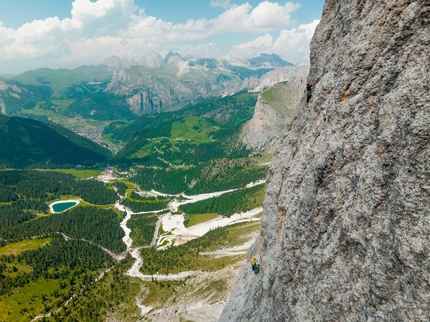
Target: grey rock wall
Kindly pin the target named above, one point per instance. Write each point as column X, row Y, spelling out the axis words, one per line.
column 345, row 233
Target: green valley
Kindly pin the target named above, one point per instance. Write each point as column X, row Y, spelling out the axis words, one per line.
column 161, row 223
column 64, row 266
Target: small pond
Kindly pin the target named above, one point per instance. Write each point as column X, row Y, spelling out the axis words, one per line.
column 63, row 205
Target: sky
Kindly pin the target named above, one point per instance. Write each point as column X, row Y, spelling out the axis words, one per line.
column 71, row 33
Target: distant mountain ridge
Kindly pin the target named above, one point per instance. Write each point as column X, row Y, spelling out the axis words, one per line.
column 88, row 98
column 272, row 60
column 153, row 84
column 155, row 60
column 148, row 85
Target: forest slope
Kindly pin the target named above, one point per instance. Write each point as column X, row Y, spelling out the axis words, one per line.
column 30, row 143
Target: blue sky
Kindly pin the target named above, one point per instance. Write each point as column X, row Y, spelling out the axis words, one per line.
column 70, row 33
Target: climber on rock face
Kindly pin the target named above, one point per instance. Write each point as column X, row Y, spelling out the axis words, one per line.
column 254, row 263
column 255, row 266
column 308, row 91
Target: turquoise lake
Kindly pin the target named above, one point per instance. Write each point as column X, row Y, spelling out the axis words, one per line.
column 62, row 206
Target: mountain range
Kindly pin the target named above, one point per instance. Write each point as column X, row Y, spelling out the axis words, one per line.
column 124, row 89
column 88, row 99
column 112, row 102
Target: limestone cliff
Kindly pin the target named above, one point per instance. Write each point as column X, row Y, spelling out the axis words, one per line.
column 274, row 110
column 346, row 224
column 280, row 74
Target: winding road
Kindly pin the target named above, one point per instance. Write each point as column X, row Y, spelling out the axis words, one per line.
column 195, row 232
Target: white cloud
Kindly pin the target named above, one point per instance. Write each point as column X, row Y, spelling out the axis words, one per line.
column 97, row 29
column 203, row 50
column 267, row 16
column 221, row 3
column 103, row 17
column 292, row 45
column 255, row 47
column 54, row 37
column 36, row 39
column 6, row 36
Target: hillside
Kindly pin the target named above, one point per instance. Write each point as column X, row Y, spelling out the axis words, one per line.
column 61, row 79
column 345, row 227
column 196, row 133
column 15, row 96
column 30, row 143
column 195, row 149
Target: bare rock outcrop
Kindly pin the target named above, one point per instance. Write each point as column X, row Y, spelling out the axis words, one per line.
column 274, row 110
column 154, row 60
column 145, row 102
column 280, row 74
column 345, row 233
column 8, row 90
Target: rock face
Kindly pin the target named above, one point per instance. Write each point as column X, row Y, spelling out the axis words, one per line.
column 345, row 233
column 273, row 111
column 144, row 102
column 6, row 90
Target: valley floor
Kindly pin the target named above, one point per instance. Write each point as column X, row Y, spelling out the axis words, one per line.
column 198, row 294
column 178, row 234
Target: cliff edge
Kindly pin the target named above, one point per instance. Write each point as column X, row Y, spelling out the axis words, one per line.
column 345, row 233
column 274, row 110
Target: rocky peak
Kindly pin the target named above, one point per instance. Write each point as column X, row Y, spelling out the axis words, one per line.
column 113, row 62
column 346, row 221
column 117, row 64
column 172, row 57
column 154, row 60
